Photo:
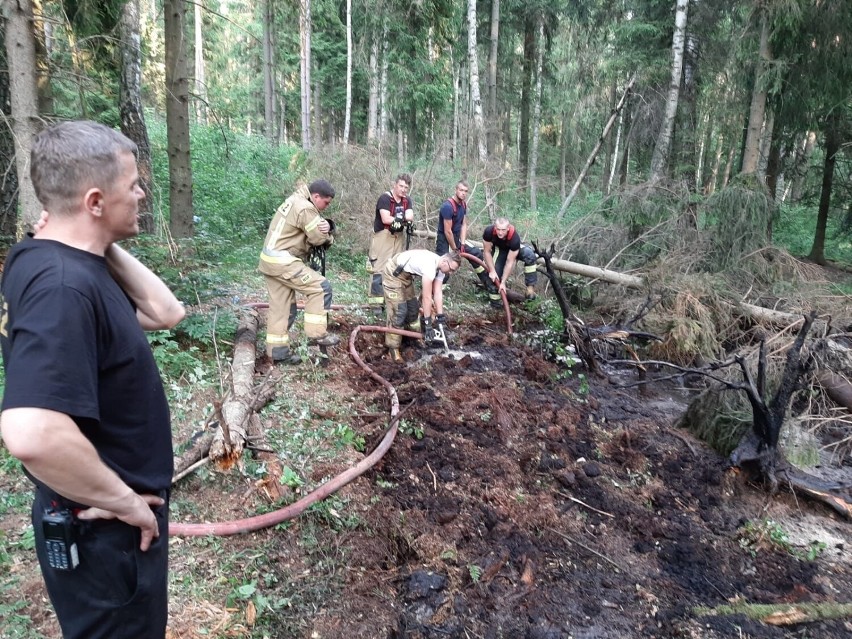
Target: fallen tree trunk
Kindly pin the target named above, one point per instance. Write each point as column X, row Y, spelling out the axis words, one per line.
column 240, row 426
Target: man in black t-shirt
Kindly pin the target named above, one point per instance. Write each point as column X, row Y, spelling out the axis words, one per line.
column 84, row 407
column 394, row 212
column 501, row 246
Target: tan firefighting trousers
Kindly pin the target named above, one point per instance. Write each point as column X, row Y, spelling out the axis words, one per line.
column 283, row 282
column 402, row 306
column 383, row 246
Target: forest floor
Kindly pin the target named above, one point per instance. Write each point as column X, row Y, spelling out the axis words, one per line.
column 518, row 501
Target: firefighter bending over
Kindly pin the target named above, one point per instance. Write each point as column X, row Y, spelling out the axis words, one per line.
column 402, row 307
column 501, row 246
column 296, row 227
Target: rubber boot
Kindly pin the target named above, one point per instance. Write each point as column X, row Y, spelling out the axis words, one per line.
column 530, row 294
column 283, row 355
column 329, row 339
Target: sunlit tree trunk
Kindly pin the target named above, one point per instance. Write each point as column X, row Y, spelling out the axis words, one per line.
column 454, row 145
column 660, row 158
column 800, row 167
column 536, row 120
column 200, row 75
column 21, row 59
column 130, row 105
column 384, row 107
column 305, row 69
column 373, row 105
column 476, row 101
column 177, row 120
column 610, row 144
column 42, row 30
column 348, row 116
column 491, row 110
column 751, row 150
column 269, row 98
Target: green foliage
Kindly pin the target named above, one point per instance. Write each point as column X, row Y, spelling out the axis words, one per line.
column 176, row 363
column 741, row 215
column 766, row 534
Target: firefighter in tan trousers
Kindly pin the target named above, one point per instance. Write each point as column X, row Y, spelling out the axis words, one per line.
column 296, row 227
column 394, row 210
column 402, row 308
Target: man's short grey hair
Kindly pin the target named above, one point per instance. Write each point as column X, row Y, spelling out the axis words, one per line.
column 501, row 221
column 71, row 157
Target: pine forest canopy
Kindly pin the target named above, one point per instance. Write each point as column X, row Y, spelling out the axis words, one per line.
column 736, row 86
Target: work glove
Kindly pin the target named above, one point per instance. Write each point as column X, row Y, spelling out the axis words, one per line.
column 396, row 225
column 428, row 331
column 409, row 228
column 331, row 226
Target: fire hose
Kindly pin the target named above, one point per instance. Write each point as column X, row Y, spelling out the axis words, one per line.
column 259, row 522
column 266, row 520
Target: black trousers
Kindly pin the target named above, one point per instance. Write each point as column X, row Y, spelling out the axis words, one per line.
column 117, row 591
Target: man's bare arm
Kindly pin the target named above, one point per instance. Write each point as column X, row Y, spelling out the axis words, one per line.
column 156, row 306
column 54, row 451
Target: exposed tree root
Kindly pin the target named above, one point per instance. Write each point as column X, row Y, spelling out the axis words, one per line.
column 782, row 614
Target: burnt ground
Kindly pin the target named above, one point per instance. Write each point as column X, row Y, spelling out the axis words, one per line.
column 540, row 505
column 518, row 501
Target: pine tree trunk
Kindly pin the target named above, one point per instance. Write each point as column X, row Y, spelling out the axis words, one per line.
column 476, row 101
column 200, row 75
column 21, row 58
column 539, row 71
column 493, row 120
column 9, row 177
column 177, row 120
column 660, row 158
column 526, row 100
column 130, row 106
column 800, row 169
column 832, row 146
column 751, row 150
column 269, row 100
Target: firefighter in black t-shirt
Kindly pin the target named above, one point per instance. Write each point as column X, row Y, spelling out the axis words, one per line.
column 501, row 248
column 394, row 211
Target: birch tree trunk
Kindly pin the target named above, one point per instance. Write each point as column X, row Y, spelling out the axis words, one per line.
column 383, row 87
column 305, row 69
column 476, row 101
column 373, row 106
column 348, row 116
column 269, row 100
column 21, row 58
column 177, row 119
column 130, row 105
column 800, row 167
column 757, row 111
column 539, row 70
column 200, row 76
column 660, row 158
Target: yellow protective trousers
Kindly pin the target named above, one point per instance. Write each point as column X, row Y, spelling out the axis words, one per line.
column 383, row 246
column 402, row 306
column 283, row 282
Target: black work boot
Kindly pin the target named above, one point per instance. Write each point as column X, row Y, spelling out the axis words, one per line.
column 283, row 355
column 329, row 339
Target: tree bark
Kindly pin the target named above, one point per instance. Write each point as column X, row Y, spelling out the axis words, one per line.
column 177, row 120
column 200, row 82
column 269, row 100
column 21, row 58
column 130, row 106
column 832, row 146
column 305, row 69
column 493, row 120
column 348, row 116
column 800, row 168
column 373, row 103
column 751, row 150
column 539, row 71
column 8, row 170
column 526, row 99
column 476, row 101
column 660, row 158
